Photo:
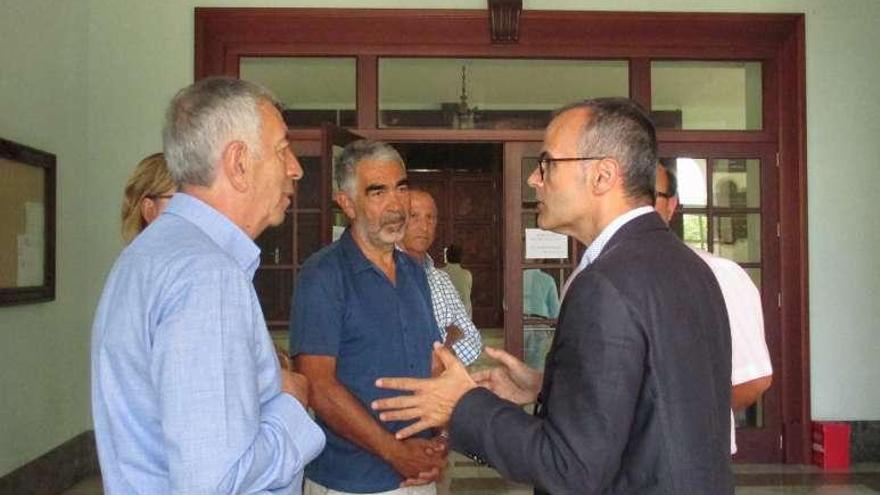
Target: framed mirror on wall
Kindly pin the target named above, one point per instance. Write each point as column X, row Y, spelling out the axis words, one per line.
column 27, row 224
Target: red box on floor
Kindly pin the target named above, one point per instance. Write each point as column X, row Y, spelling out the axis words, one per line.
column 831, row 445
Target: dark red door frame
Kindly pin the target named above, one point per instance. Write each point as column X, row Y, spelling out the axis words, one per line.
column 223, row 35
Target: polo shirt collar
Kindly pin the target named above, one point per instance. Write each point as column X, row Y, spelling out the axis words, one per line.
column 219, row 228
column 355, row 256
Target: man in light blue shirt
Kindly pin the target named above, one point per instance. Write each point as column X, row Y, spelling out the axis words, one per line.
column 187, row 393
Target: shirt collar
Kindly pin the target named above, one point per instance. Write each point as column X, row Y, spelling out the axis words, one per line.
column 219, row 228
column 428, row 262
column 595, row 248
column 356, row 257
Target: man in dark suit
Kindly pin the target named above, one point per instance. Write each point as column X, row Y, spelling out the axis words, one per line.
column 636, row 393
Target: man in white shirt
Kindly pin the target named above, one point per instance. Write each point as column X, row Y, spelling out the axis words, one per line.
column 751, row 372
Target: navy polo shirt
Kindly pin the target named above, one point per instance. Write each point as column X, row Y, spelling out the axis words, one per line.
column 345, row 306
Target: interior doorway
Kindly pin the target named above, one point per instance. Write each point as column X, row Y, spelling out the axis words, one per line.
column 465, row 181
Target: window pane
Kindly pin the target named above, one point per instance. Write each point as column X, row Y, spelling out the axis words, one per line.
column 750, row 417
column 313, row 89
column 691, row 174
column 489, row 93
column 338, row 222
column 541, row 292
column 308, row 235
column 540, row 308
column 755, row 274
column 308, row 189
column 275, row 245
column 736, row 183
column 537, row 337
column 707, row 95
column 544, row 246
column 695, row 230
column 737, row 237
column 274, row 288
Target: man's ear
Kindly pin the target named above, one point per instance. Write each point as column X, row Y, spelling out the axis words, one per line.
column 346, row 203
column 234, row 165
column 606, row 175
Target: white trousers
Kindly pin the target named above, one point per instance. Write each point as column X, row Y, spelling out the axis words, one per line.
column 312, row 488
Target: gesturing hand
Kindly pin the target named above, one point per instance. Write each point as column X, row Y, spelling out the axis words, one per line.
column 432, row 400
column 513, row 380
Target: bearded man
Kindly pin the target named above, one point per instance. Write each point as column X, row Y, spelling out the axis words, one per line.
column 362, row 310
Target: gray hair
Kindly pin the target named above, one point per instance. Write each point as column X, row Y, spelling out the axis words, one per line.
column 620, row 128
column 203, row 118
column 356, row 152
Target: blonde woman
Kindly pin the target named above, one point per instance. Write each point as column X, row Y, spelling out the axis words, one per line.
column 146, row 194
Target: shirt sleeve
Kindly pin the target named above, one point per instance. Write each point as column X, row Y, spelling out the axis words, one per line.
column 577, row 446
column 221, row 434
column 750, row 356
column 470, row 345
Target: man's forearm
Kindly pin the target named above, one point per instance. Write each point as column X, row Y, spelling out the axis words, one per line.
column 348, row 418
column 745, row 394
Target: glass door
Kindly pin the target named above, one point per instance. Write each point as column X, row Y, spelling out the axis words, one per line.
column 537, row 262
column 729, row 207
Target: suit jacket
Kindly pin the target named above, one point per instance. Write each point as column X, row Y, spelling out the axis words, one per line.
column 636, row 391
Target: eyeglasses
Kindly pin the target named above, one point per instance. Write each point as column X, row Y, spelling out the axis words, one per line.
column 545, row 160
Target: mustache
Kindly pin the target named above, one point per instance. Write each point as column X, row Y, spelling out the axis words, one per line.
column 392, row 218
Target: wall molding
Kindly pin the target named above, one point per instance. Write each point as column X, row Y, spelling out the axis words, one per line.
column 56, row 470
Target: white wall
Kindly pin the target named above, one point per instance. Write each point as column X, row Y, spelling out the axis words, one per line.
column 90, row 80
column 44, row 366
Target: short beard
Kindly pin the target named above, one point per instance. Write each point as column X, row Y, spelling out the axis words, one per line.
column 382, row 235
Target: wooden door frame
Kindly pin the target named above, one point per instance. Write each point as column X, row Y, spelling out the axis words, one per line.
column 224, row 35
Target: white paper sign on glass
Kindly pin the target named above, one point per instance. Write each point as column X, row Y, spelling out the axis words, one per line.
column 545, row 244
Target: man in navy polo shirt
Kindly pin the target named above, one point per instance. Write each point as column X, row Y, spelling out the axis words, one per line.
column 362, row 310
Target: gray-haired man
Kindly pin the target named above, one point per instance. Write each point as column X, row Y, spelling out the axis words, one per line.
column 187, row 393
column 361, row 310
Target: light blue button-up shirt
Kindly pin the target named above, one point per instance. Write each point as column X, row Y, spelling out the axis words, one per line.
column 186, row 390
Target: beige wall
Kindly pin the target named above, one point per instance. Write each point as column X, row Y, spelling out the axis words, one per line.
column 88, row 80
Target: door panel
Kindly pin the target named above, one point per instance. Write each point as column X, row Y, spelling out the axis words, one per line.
column 733, row 211
column 526, row 334
column 468, row 215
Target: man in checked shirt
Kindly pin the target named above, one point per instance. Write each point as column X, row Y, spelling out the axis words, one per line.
column 456, row 328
